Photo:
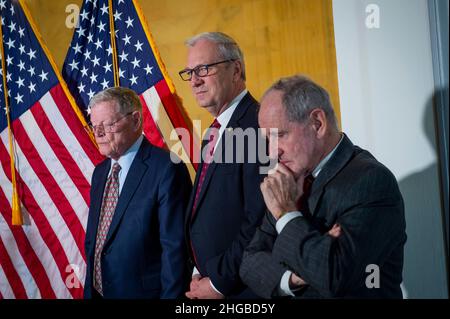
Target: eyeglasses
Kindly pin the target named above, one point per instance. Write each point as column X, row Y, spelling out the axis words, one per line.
column 107, row 127
column 200, row 70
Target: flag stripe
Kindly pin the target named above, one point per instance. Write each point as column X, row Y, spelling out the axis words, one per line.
column 30, row 289
column 38, row 245
column 71, row 142
column 48, row 181
column 150, row 129
column 36, row 281
column 153, row 103
column 11, row 285
column 75, row 173
column 63, row 184
column 177, row 120
column 29, row 256
column 73, row 123
column 51, row 226
column 170, row 105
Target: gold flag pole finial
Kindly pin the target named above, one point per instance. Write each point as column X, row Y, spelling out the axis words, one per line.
column 16, row 210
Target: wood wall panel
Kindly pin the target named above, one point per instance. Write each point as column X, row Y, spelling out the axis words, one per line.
column 278, row 38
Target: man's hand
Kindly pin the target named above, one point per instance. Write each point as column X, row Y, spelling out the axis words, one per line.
column 335, row 231
column 280, row 191
column 295, row 281
column 202, row 289
column 195, row 282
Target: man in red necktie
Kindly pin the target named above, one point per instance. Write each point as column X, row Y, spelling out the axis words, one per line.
column 225, row 206
column 334, row 210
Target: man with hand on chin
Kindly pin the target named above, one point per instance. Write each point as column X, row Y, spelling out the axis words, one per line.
column 333, row 209
column 135, row 234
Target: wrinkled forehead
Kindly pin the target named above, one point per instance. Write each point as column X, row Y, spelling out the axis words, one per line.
column 104, row 110
column 106, row 104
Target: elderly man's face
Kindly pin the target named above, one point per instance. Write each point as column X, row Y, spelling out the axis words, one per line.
column 294, row 144
column 114, row 132
column 216, row 89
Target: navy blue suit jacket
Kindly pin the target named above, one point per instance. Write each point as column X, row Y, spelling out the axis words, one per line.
column 230, row 207
column 144, row 253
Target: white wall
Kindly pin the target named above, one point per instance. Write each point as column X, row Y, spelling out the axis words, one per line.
column 386, row 87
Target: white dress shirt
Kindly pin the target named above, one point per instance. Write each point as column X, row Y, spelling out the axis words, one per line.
column 225, row 117
column 125, row 161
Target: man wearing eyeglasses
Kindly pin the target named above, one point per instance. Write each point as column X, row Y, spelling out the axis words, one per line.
column 135, row 234
column 225, row 206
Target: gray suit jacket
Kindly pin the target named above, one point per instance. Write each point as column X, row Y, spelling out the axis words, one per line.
column 362, row 196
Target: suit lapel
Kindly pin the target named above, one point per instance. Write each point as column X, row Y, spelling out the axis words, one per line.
column 340, row 158
column 96, row 201
column 239, row 112
column 188, row 215
column 137, row 170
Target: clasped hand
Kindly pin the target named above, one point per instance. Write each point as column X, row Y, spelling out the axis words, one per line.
column 281, row 191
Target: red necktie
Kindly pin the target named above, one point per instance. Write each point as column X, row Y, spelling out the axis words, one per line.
column 302, row 203
column 208, row 153
column 110, row 198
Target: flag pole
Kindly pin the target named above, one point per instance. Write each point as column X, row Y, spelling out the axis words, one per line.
column 113, row 45
column 17, row 219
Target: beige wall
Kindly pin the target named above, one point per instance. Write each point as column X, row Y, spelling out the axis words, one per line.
column 278, row 37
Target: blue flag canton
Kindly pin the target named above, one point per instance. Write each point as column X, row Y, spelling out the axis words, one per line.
column 29, row 74
column 88, row 67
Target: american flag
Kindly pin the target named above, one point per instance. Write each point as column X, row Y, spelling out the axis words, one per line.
column 54, row 161
column 88, row 69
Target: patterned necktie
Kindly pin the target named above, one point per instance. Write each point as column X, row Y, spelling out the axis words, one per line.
column 110, row 198
column 302, row 204
column 208, row 153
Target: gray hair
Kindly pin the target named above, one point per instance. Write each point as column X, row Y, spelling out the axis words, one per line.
column 301, row 95
column 227, row 47
column 126, row 100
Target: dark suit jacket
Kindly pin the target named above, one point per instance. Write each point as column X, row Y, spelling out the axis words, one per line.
column 229, row 208
column 144, row 252
column 362, row 196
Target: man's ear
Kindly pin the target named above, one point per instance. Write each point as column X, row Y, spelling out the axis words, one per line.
column 319, row 122
column 137, row 119
column 237, row 70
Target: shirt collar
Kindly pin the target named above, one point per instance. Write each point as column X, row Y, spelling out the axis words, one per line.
column 322, row 163
column 127, row 158
column 225, row 116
